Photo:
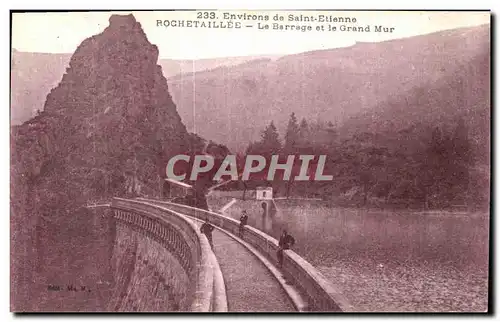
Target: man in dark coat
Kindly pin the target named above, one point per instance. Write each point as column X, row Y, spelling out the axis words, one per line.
column 243, row 222
column 286, row 241
column 207, row 229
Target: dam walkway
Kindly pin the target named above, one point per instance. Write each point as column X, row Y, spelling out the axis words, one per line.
column 236, row 274
column 250, row 286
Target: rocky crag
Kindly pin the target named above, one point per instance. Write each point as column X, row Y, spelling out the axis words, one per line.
column 107, row 129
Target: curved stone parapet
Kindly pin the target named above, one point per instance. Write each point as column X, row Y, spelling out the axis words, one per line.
column 321, row 294
column 147, row 236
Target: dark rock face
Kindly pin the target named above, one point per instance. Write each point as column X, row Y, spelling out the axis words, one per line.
column 107, row 129
column 110, row 113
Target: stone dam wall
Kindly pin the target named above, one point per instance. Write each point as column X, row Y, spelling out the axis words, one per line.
column 162, row 263
column 148, row 277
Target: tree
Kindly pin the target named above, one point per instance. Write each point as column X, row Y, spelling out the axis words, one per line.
column 304, row 128
column 270, row 143
column 195, row 144
column 245, row 188
column 268, row 146
column 303, row 141
column 292, row 135
column 254, row 148
column 218, row 151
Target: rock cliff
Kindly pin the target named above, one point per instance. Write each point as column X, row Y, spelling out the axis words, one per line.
column 107, row 129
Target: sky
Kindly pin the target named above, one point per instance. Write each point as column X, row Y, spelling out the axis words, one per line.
column 62, row 32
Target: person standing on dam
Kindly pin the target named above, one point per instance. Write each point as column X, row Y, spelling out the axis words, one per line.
column 243, row 222
column 207, row 229
column 286, row 241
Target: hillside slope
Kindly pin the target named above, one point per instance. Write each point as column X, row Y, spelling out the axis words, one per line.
column 33, row 75
column 232, row 105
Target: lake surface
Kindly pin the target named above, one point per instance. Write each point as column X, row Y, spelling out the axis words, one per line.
column 389, row 260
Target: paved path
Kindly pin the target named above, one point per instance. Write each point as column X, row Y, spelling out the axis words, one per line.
column 250, row 287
